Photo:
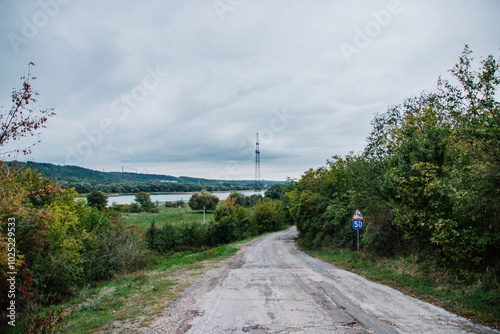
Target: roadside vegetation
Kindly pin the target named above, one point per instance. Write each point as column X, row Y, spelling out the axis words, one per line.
column 231, row 222
column 428, row 185
column 61, row 243
column 107, row 267
column 130, row 301
column 82, row 267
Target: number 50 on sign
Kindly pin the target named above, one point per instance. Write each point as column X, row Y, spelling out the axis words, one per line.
column 357, row 224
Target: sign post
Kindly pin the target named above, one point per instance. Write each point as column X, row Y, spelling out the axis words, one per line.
column 357, row 223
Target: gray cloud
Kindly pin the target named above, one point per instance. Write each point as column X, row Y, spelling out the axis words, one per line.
column 182, row 87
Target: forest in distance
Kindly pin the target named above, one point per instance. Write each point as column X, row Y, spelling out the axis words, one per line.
column 85, row 180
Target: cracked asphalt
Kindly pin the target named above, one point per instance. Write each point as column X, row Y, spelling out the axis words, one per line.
column 271, row 286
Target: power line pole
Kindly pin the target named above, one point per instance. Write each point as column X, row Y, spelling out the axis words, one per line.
column 257, row 164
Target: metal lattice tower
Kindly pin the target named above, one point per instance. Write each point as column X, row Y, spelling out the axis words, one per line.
column 257, row 164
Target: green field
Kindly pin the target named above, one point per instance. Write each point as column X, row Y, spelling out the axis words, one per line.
column 166, row 215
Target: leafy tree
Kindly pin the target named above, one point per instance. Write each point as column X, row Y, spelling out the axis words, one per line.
column 237, row 197
column 97, row 199
column 144, row 200
column 276, row 191
column 252, row 199
column 13, row 197
column 440, row 153
column 203, row 199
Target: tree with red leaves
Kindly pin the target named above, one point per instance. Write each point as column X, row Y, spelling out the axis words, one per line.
column 23, row 119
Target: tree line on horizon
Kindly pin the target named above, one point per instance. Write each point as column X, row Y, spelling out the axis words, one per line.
column 84, row 180
column 152, row 187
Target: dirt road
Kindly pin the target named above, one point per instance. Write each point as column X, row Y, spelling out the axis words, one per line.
column 271, row 286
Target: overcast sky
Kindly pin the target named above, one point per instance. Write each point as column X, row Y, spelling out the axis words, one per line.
column 182, row 87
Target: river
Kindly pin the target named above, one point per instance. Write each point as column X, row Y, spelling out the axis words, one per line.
column 174, row 197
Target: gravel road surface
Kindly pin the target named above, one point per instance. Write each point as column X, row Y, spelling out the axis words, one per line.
column 271, row 286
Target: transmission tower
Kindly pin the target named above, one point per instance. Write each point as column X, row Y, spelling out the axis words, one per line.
column 257, row 164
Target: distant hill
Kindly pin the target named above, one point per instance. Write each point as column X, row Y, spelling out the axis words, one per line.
column 73, row 174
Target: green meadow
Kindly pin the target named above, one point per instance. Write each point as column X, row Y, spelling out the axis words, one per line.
column 166, row 215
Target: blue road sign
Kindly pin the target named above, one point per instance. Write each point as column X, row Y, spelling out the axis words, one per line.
column 357, row 224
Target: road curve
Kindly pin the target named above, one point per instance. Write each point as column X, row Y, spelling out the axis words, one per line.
column 271, row 286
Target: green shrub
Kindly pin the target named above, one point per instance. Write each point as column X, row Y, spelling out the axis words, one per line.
column 47, row 322
column 382, row 237
column 267, row 215
column 117, row 207
column 114, row 249
column 97, row 199
column 223, row 231
column 155, row 238
column 170, row 237
column 237, row 198
column 135, row 208
column 203, row 200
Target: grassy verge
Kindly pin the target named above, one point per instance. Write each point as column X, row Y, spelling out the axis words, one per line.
column 476, row 297
column 132, row 301
column 171, row 215
column 135, row 300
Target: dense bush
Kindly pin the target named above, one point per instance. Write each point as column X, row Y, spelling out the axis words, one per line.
column 240, row 199
column 237, row 198
column 224, row 231
column 203, row 200
column 97, row 199
column 176, row 204
column 61, row 242
column 382, row 237
column 267, row 216
column 112, row 249
column 134, row 208
column 231, row 222
column 428, row 179
column 144, row 200
column 177, row 237
column 276, row 191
